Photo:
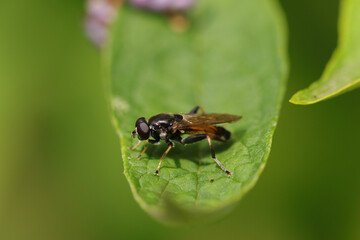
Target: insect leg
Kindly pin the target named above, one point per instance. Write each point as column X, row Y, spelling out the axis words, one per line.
column 170, row 146
column 214, row 157
column 195, row 110
column 193, row 138
column 134, row 147
column 145, row 147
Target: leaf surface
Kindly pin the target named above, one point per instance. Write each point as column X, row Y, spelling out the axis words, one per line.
column 230, row 60
column 342, row 72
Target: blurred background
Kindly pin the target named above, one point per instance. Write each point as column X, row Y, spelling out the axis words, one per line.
column 61, row 170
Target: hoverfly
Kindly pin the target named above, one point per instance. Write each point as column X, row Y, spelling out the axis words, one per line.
column 169, row 127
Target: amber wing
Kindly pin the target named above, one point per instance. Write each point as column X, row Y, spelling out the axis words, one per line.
column 202, row 120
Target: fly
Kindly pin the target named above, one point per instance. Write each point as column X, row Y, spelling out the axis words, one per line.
column 169, row 127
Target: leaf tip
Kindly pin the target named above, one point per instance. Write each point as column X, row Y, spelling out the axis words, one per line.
column 302, row 98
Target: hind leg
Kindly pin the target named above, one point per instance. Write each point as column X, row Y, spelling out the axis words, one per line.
column 215, row 159
column 195, row 110
column 193, row 138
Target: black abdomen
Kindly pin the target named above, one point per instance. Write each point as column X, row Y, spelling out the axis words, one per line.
column 222, row 134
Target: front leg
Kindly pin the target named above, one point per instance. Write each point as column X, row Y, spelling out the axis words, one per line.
column 152, row 141
column 136, row 145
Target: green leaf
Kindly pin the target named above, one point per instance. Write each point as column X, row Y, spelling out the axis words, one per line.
column 230, row 60
column 342, row 73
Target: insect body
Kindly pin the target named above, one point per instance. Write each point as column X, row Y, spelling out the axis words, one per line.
column 169, row 127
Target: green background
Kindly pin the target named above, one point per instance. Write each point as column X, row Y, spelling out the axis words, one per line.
column 61, row 170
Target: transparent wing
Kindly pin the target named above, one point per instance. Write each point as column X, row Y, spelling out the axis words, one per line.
column 198, row 120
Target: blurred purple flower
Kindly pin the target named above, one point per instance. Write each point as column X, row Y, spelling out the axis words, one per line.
column 99, row 15
column 163, row 5
column 96, row 31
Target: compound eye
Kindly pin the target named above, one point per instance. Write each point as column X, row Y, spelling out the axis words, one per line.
column 142, row 129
